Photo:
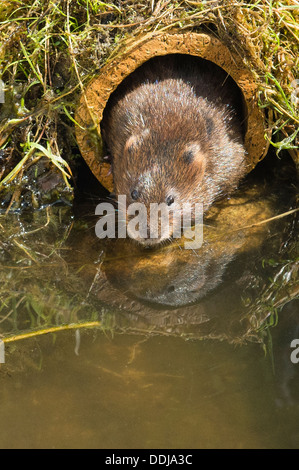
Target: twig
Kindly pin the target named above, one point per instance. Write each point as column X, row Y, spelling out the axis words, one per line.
column 53, row 329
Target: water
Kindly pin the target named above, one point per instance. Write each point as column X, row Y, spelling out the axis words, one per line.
column 109, row 346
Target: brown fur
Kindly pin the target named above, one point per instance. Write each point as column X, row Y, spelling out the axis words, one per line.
column 173, row 128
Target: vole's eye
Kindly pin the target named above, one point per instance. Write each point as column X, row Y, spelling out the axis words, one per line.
column 169, row 200
column 134, row 194
column 188, row 156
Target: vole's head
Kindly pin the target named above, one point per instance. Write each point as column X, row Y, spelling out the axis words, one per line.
column 155, row 171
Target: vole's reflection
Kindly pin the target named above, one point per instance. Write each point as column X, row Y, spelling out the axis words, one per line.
column 172, row 277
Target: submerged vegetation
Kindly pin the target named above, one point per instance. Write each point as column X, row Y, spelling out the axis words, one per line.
column 55, row 274
column 50, row 50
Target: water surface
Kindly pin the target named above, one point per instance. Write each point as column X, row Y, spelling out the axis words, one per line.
column 165, row 349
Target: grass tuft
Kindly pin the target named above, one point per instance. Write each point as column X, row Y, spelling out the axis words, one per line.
column 50, row 50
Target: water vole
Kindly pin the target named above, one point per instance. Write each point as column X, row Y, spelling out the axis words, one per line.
column 174, row 132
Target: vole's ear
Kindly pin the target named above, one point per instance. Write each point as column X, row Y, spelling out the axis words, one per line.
column 193, row 154
column 134, row 141
column 131, row 144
